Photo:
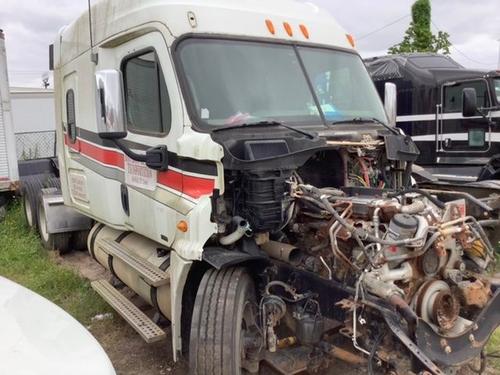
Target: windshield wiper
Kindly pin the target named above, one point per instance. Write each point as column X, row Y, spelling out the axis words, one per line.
column 357, row 120
column 265, row 123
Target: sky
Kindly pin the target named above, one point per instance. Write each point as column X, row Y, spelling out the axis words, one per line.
column 31, row 25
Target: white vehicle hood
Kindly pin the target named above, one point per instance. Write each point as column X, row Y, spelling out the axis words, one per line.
column 39, row 338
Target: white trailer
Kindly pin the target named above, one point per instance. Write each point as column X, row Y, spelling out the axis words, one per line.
column 9, row 174
column 34, row 119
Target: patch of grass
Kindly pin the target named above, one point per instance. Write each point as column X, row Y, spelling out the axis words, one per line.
column 494, row 347
column 25, row 261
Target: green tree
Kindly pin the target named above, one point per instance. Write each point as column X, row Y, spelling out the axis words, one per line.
column 418, row 36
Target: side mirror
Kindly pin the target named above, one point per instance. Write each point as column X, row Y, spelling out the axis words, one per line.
column 469, row 102
column 391, row 102
column 110, row 104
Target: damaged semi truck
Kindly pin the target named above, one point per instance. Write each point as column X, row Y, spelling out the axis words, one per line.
column 244, row 180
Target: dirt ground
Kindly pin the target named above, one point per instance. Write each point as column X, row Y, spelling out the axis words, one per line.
column 127, row 351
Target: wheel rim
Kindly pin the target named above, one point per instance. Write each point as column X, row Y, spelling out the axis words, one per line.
column 27, row 209
column 43, row 225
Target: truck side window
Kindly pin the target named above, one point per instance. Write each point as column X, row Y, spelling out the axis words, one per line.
column 70, row 115
column 453, row 95
column 146, row 95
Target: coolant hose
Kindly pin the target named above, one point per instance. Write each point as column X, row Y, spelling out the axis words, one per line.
column 242, row 228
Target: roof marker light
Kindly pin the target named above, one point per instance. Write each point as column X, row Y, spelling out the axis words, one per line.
column 288, row 28
column 270, row 27
column 350, row 39
column 304, row 30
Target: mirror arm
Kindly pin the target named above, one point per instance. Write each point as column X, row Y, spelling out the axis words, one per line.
column 483, row 115
column 154, row 158
column 131, row 154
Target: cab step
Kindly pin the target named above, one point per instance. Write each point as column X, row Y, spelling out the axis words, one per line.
column 148, row 330
column 151, row 274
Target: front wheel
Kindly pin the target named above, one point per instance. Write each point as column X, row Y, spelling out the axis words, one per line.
column 224, row 332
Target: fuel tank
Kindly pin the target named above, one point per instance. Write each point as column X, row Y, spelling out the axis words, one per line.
column 150, row 251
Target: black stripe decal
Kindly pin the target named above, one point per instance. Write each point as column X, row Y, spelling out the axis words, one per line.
column 166, row 263
column 122, row 236
column 205, row 167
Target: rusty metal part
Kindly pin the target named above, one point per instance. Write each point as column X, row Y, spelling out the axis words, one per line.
column 283, row 251
column 404, row 309
column 346, row 304
column 347, row 356
column 286, row 342
column 433, row 310
column 463, row 347
column 395, row 326
column 476, row 293
column 333, row 232
column 281, row 360
column 445, row 310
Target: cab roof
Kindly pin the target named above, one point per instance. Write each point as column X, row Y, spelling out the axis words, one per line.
column 243, row 18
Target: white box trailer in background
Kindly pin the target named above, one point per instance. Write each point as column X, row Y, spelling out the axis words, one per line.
column 34, row 122
column 9, row 174
column 32, row 112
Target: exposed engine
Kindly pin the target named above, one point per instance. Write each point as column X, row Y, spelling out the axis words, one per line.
column 343, row 215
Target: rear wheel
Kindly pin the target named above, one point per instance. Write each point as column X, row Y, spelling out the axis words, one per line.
column 79, row 240
column 224, row 333
column 51, row 241
column 29, row 208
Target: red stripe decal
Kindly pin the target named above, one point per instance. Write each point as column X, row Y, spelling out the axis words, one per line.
column 193, row 186
column 196, row 186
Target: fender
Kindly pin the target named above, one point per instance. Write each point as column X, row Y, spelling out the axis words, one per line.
column 219, row 258
column 61, row 218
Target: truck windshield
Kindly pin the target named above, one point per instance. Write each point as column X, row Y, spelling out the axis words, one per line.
column 239, row 82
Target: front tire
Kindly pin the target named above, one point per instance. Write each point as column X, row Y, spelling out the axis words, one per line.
column 223, row 322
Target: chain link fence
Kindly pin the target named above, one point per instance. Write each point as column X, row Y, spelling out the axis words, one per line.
column 35, row 145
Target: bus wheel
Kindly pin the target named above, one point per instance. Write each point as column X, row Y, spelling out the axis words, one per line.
column 225, row 339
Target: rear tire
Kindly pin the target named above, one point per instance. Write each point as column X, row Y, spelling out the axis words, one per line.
column 51, row 241
column 30, row 206
column 79, row 240
column 224, row 315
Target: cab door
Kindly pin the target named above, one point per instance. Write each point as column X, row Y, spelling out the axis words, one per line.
column 150, row 198
column 462, row 140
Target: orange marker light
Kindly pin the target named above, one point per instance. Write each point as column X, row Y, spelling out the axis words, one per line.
column 350, row 39
column 270, row 27
column 304, row 30
column 288, row 28
column 182, row 226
